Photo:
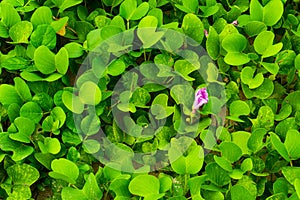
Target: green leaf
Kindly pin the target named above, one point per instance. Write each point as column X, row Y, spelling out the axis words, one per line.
column 69, row 193
column 193, row 27
column 62, row 61
column 25, row 128
column 291, row 174
column 9, row 15
column 127, row 8
column 130, row 11
column 271, row 67
column 297, row 62
column 256, row 10
column 59, row 25
column 116, row 68
column 20, row 32
column 223, row 162
column 253, row 28
column 91, row 188
column 291, row 99
column 144, row 185
column 22, row 89
column 230, row 151
column 216, row 174
column 272, row 12
column 72, row 102
column 239, row 192
column 195, row 187
column 184, row 68
column 255, row 142
column 90, row 125
column 20, row 151
column 247, row 165
column 112, row 3
column 44, row 60
column 43, row 35
column 91, row 146
column 188, row 6
column 267, row 13
column 140, row 97
column 186, row 100
column 297, row 186
column 9, row 95
column 262, row 92
column 65, row 170
column 284, row 113
column 291, row 144
column 186, row 157
column 65, row 4
column 15, row 63
column 265, row 118
column 140, row 11
column 147, row 31
column 59, row 115
column 74, row 49
column 279, row 146
column 13, row 111
column 41, row 15
column 263, row 44
column 44, row 159
column 50, row 145
column 23, row 174
column 213, row 43
column 236, row 58
column 234, row 42
column 34, row 77
column 240, row 138
column 31, row 110
column 238, row 108
column 160, row 107
column 247, row 78
column 90, row 93
column 283, row 126
column 3, row 30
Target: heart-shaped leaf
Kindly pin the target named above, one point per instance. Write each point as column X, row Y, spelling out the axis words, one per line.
column 90, row 93
column 186, row 156
column 25, row 128
column 234, row 42
column 72, row 102
column 247, row 78
column 65, row 170
column 44, row 60
column 9, row 95
column 50, row 145
column 42, row 15
column 130, row 11
column 160, row 107
column 31, row 110
column 147, row 31
column 263, row 44
column 184, row 68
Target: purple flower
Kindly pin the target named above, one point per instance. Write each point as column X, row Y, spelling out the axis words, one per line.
column 201, row 97
column 206, row 33
column 235, row 23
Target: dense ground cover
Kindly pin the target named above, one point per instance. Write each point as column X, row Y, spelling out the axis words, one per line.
column 108, row 99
